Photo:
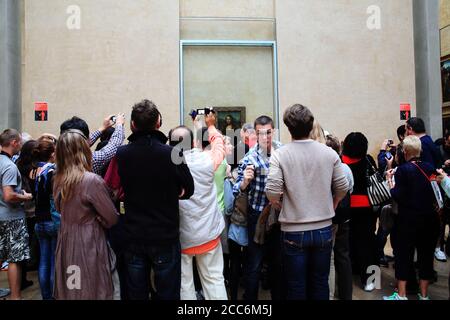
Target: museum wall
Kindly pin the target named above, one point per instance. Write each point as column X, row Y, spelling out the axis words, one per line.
column 124, row 51
column 352, row 78
column 444, row 26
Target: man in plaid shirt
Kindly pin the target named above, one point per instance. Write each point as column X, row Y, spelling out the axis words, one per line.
column 252, row 177
column 101, row 158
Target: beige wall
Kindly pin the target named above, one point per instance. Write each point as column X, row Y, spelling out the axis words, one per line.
column 444, row 24
column 222, row 29
column 124, row 52
column 229, row 77
column 227, row 20
column 352, row 78
column 444, row 13
column 227, row 8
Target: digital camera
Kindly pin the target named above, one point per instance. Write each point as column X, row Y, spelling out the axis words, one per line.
column 205, row 111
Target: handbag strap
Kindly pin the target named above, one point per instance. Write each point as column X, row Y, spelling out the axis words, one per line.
column 370, row 165
column 437, row 200
column 426, row 176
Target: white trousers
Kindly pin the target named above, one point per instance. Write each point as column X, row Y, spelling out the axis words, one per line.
column 210, row 270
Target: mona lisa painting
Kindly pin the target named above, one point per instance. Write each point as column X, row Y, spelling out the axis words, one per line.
column 230, row 118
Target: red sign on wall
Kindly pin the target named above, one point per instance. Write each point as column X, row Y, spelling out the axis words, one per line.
column 405, row 111
column 40, row 111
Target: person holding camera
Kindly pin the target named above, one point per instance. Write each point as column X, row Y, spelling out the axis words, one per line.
column 388, row 150
column 386, row 154
column 101, row 158
column 201, row 220
column 386, row 161
column 252, row 177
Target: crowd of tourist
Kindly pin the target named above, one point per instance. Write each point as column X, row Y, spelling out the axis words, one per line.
column 196, row 214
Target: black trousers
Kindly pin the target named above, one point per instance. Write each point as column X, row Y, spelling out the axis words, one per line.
column 415, row 233
column 274, row 258
column 363, row 244
column 238, row 259
column 342, row 262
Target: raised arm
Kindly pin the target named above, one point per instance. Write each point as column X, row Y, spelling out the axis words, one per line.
column 102, row 157
column 215, row 138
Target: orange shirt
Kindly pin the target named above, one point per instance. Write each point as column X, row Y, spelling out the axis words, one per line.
column 203, row 248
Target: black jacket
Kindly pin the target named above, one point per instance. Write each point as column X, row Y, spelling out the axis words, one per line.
column 413, row 190
column 152, row 183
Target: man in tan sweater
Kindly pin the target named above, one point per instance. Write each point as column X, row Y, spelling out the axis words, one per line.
column 307, row 180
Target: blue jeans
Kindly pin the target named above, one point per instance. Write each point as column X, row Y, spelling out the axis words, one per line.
column 255, row 257
column 306, row 260
column 47, row 234
column 166, row 264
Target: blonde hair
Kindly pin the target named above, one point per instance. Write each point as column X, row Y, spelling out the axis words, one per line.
column 412, row 146
column 317, row 133
column 73, row 159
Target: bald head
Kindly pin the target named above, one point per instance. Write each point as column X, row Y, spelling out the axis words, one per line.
column 184, row 138
column 181, row 136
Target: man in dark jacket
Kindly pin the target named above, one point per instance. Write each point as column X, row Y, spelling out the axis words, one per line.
column 430, row 153
column 152, row 186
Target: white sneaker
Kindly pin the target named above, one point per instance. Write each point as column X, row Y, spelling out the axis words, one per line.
column 369, row 287
column 440, row 255
column 4, row 266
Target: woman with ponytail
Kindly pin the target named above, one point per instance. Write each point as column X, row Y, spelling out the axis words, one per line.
column 47, row 219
